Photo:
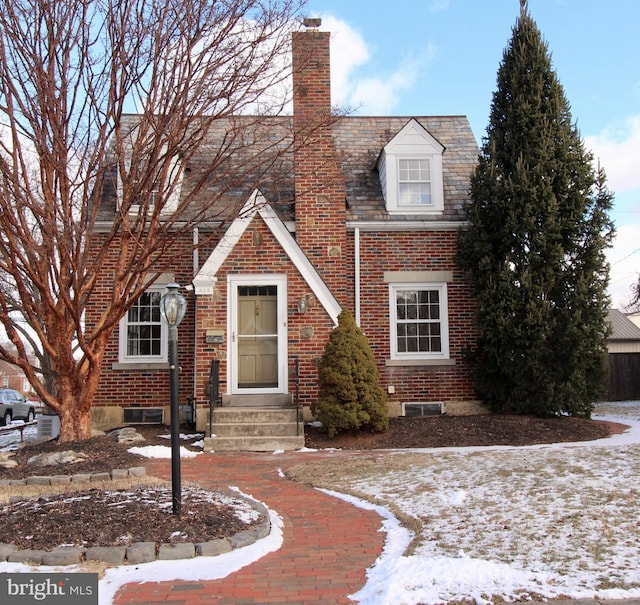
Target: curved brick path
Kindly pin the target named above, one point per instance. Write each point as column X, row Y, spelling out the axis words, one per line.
column 327, row 543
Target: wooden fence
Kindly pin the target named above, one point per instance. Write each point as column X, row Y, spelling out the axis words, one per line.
column 624, row 377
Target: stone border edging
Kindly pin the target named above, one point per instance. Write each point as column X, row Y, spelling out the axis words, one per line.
column 136, row 553
column 116, row 473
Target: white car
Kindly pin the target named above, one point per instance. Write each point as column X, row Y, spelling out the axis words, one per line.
column 14, row 406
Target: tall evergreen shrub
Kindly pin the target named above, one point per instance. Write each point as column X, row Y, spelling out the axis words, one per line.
column 534, row 252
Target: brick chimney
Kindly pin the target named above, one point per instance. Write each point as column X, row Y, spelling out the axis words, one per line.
column 319, row 182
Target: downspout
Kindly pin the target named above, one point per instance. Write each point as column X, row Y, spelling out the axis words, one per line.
column 356, row 262
column 196, row 268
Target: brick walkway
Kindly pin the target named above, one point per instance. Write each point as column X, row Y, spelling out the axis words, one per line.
column 328, row 544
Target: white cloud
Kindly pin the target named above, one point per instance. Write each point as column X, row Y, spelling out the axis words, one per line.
column 617, row 149
column 371, row 95
column 624, row 259
column 378, row 96
column 348, row 52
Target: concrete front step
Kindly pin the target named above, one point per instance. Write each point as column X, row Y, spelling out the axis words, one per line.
column 254, row 429
column 262, row 400
column 253, row 444
column 253, row 415
column 244, row 429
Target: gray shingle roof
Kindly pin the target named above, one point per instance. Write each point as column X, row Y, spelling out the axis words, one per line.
column 359, row 142
column 622, row 327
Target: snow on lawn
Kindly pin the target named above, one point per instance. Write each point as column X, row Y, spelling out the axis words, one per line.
column 540, row 521
column 551, row 521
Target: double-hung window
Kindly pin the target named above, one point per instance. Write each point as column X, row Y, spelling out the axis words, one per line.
column 410, row 169
column 419, row 325
column 142, row 331
column 414, row 182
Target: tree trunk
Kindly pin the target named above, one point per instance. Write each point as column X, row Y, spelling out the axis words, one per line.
column 76, row 391
column 75, row 422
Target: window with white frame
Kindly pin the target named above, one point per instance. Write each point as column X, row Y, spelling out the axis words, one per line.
column 410, row 169
column 142, row 331
column 414, row 182
column 419, row 324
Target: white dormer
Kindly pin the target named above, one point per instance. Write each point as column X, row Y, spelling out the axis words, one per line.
column 410, row 168
column 169, row 184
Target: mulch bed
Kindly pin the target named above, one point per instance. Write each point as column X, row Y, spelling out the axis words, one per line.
column 463, row 431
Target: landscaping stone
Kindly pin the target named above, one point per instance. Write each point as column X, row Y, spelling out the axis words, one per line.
column 38, row 480
column 114, row 555
column 60, row 479
column 138, row 471
column 213, row 548
column 5, row 460
column 100, row 477
column 119, row 473
column 141, row 552
column 80, row 478
column 63, row 555
column 27, row 556
column 6, row 550
column 17, row 482
column 262, row 530
column 186, row 550
column 56, row 458
column 5, row 482
column 127, row 434
column 242, row 538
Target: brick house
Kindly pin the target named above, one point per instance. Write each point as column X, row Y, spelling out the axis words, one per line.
column 364, row 216
column 12, row 377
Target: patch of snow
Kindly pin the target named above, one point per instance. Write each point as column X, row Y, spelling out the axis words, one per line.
column 184, row 436
column 161, row 451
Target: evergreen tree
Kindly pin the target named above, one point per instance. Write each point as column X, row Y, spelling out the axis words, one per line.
column 350, row 397
column 534, row 252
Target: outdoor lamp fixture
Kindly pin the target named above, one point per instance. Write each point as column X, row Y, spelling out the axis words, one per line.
column 172, row 309
column 303, row 304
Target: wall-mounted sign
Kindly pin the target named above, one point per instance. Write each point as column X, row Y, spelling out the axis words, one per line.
column 214, row 337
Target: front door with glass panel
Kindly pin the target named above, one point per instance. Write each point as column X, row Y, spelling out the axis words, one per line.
column 258, row 342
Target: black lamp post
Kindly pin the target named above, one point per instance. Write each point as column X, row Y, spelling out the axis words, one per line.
column 172, row 308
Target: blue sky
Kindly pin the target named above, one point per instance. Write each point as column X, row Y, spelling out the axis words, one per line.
column 440, row 57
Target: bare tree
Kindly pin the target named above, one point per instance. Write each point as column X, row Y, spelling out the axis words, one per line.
column 70, row 71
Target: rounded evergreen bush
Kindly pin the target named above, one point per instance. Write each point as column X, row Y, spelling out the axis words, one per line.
column 350, row 396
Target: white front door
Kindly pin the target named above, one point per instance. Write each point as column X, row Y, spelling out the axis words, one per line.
column 258, row 329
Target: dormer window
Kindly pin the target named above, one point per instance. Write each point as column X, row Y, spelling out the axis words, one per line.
column 414, row 182
column 410, row 168
column 152, row 185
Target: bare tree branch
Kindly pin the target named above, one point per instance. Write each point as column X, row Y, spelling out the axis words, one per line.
column 71, row 75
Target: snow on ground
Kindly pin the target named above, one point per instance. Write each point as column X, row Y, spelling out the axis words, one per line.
column 544, row 521
column 9, row 440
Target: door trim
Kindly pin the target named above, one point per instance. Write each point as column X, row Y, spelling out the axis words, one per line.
column 262, row 279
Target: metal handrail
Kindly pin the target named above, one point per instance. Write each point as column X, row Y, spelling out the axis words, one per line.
column 214, row 390
column 296, row 392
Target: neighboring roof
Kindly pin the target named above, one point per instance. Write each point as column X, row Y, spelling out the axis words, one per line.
column 359, row 141
column 622, row 327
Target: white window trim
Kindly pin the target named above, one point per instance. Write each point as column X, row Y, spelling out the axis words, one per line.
column 393, row 185
column 444, row 321
column 128, row 360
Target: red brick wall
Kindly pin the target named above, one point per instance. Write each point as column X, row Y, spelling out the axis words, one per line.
column 258, row 252
column 418, row 251
column 127, row 387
